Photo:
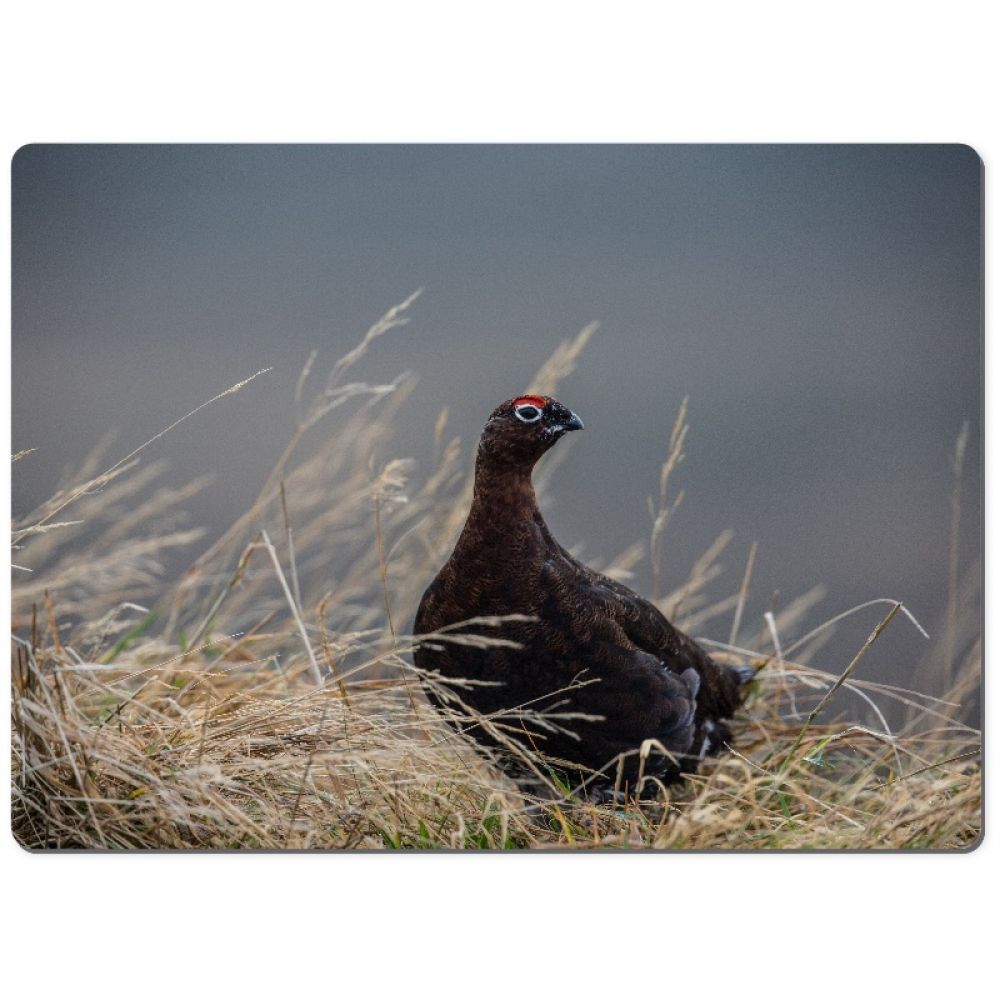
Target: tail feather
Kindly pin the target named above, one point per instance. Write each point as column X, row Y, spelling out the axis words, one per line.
column 713, row 735
column 744, row 673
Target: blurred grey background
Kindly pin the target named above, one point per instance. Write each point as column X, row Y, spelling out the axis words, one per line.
column 820, row 306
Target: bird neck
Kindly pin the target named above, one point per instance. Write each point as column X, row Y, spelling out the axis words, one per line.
column 503, row 491
column 504, row 525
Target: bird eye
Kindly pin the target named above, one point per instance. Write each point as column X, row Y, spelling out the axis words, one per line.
column 527, row 414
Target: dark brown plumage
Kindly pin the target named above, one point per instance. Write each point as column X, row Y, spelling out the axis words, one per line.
column 593, row 646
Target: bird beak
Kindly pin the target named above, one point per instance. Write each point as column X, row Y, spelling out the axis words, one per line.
column 573, row 424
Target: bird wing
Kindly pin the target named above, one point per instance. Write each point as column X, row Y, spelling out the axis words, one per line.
column 593, row 635
column 644, row 624
column 645, row 628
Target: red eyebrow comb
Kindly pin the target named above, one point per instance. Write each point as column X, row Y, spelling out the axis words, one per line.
column 539, row 401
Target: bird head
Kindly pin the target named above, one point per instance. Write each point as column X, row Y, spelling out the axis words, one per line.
column 521, row 430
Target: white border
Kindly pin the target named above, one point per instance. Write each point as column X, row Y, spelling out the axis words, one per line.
column 270, row 925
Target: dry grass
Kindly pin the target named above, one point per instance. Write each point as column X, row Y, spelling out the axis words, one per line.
column 269, row 700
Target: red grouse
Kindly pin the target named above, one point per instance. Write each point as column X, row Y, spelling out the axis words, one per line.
column 602, row 662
